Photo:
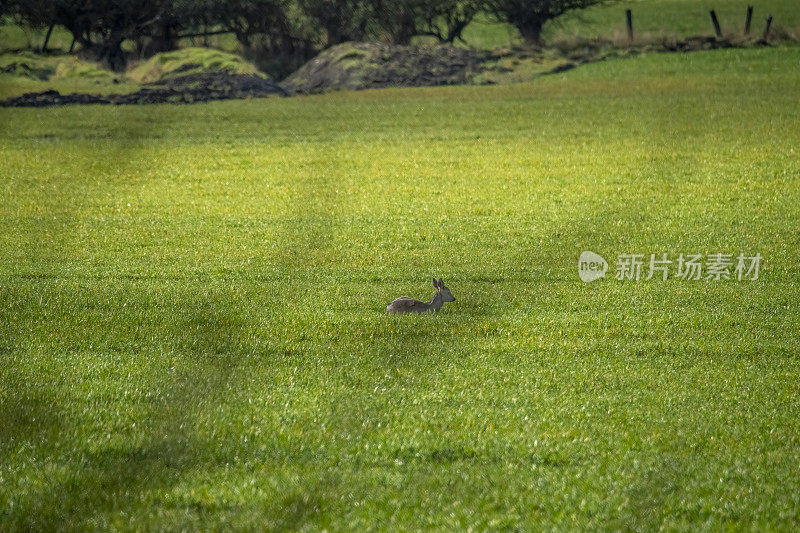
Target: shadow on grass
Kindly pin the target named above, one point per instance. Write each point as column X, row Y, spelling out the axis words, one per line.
column 649, row 494
column 80, row 478
column 446, row 455
column 90, row 480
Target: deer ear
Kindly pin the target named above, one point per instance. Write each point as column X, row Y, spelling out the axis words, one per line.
column 441, row 283
column 436, row 285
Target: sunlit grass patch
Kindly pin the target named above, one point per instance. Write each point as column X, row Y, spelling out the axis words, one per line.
column 189, row 61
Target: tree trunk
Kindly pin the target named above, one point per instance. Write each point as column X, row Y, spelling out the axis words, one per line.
column 47, row 38
column 531, row 31
column 405, row 31
column 164, row 41
column 110, row 53
column 243, row 38
column 333, row 31
column 454, row 31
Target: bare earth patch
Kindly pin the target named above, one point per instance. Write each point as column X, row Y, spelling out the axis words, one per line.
column 354, row 66
column 186, row 89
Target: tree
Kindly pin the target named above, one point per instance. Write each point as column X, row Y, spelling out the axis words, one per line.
column 99, row 26
column 341, row 20
column 447, row 19
column 36, row 15
column 396, row 20
column 400, row 20
column 275, row 34
column 179, row 18
column 529, row 16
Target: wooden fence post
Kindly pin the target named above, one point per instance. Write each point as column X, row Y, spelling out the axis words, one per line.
column 717, row 29
column 766, row 29
column 629, row 20
column 748, row 20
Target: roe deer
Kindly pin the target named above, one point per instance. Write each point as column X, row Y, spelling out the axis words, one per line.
column 404, row 304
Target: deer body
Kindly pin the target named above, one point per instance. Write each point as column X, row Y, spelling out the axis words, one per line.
column 404, row 304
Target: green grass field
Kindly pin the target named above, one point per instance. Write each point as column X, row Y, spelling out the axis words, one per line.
column 192, row 327
column 652, row 19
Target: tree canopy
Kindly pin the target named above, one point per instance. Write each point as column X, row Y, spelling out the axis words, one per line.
column 280, row 33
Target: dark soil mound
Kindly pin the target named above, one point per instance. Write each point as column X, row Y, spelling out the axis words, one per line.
column 701, row 42
column 187, row 89
column 373, row 65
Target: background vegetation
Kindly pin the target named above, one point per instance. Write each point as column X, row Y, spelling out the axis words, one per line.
column 280, row 35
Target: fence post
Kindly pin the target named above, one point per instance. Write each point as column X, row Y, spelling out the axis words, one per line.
column 766, row 29
column 629, row 20
column 748, row 20
column 717, row 29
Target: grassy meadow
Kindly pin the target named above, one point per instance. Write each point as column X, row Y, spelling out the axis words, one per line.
column 192, row 327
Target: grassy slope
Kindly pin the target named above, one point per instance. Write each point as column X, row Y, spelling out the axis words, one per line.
column 192, row 327
column 64, row 73
column 677, row 17
column 67, row 73
column 652, row 19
